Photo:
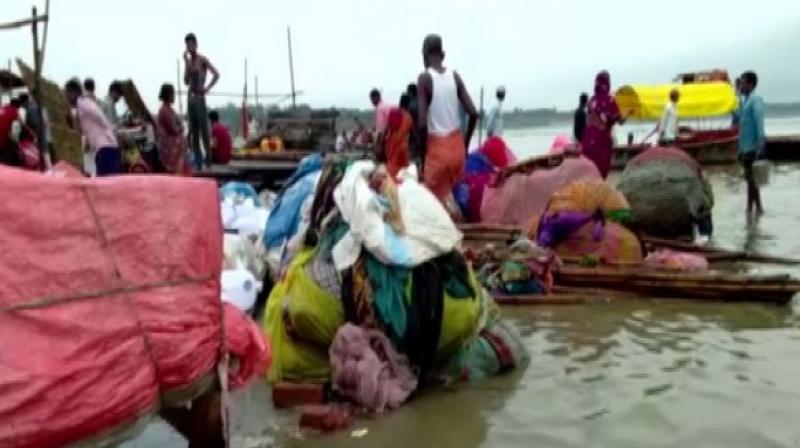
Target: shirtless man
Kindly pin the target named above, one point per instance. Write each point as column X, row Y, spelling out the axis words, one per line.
column 194, row 76
column 442, row 96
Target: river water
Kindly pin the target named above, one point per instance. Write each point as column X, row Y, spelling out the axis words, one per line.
column 646, row 373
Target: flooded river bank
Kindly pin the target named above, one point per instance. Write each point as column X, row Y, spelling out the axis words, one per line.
column 624, row 374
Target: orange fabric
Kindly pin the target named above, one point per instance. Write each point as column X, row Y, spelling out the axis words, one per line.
column 444, row 163
column 396, row 145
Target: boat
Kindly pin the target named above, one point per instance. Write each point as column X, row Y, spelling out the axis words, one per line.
column 576, row 283
column 699, row 100
column 783, row 148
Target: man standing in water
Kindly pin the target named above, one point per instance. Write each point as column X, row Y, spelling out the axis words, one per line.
column 441, row 96
column 382, row 110
column 494, row 124
column 579, row 122
column 194, row 76
column 751, row 137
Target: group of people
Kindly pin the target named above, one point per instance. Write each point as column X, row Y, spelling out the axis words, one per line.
column 98, row 122
column 428, row 124
column 20, row 125
column 595, row 118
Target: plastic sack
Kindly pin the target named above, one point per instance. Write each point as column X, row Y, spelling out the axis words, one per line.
column 301, row 320
column 460, row 318
column 109, row 302
column 678, row 261
column 238, row 189
column 248, row 348
column 239, row 288
column 429, row 231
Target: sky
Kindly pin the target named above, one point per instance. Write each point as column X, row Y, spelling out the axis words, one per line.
column 545, row 53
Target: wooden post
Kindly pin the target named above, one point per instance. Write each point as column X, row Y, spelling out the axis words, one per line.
column 291, row 65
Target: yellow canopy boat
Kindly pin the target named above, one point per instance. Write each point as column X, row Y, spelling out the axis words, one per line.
column 647, row 102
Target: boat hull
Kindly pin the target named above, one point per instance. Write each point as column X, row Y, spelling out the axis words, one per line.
column 719, row 147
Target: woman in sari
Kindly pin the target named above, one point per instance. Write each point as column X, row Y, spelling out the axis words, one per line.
column 398, row 132
column 603, row 114
column 171, row 141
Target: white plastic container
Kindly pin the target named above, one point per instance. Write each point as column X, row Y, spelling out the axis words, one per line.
column 761, row 172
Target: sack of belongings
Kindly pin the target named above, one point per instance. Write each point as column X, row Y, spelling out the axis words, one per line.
column 97, row 276
column 668, row 195
column 582, row 220
column 523, row 191
column 480, row 168
column 378, row 301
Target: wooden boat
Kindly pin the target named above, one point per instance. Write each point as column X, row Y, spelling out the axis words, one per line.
column 711, row 147
column 593, row 284
column 699, row 99
column 783, row 148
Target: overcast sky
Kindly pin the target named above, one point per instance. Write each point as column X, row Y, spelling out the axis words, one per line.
column 545, row 53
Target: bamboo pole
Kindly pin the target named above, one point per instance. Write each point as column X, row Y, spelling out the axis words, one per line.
column 480, row 122
column 291, row 65
column 178, row 85
column 37, row 91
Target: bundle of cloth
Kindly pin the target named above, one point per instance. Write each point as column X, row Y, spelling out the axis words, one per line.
column 668, row 194
column 378, row 300
column 524, row 268
column 584, row 221
column 515, row 199
column 480, row 168
column 289, row 216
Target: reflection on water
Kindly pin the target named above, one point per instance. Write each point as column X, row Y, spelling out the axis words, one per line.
column 627, row 374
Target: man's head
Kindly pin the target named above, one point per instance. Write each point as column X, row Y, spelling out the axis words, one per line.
column 167, row 93
column 432, row 51
column 24, row 100
column 411, row 90
column 115, row 91
column 583, row 99
column 213, row 116
column 191, row 43
column 405, row 102
column 749, row 82
column 501, row 93
column 15, row 103
column 88, row 86
column 375, row 97
column 674, row 95
column 73, row 91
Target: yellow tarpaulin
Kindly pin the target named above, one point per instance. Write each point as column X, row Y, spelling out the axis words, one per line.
column 647, row 102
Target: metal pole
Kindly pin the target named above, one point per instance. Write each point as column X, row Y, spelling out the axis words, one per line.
column 291, row 65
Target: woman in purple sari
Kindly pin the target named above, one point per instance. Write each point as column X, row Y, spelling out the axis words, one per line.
column 603, row 114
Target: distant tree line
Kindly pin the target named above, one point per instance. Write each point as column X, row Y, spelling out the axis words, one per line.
column 231, row 115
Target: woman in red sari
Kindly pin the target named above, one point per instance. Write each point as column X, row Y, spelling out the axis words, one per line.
column 603, row 114
column 171, row 141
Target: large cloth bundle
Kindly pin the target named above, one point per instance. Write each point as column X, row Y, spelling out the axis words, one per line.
column 524, row 196
column 667, row 193
column 583, row 220
column 109, row 302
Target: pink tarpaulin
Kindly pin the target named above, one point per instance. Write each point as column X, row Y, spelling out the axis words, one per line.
column 109, row 300
column 523, row 197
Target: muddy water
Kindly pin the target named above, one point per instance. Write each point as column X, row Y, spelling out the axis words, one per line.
column 625, row 374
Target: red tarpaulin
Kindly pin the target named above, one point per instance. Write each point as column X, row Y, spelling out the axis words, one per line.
column 109, row 301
